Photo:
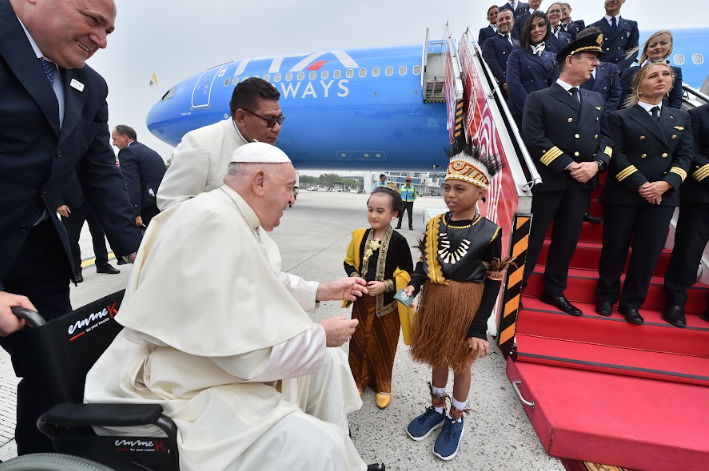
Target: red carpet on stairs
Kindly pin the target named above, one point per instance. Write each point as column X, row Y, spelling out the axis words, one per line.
column 608, row 391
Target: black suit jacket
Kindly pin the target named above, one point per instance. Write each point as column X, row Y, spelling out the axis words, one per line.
column 554, row 44
column 521, row 9
column 143, row 170
column 485, row 34
column 607, row 83
column 558, row 131
column 645, row 150
column 617, row 44
column 37, row 157
column 574, row 28
column 695, row 188
column 496, row 52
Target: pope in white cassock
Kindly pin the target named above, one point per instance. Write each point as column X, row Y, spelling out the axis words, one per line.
column 219, row 337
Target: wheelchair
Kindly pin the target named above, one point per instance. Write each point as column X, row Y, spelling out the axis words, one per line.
column 71, row 345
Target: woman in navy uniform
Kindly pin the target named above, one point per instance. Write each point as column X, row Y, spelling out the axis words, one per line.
column 530, row 67
column 652, row 151
column 656, row 49
column 558, row 37
column 692, row 232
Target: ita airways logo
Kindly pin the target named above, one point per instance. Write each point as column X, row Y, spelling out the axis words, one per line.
column 90, row 322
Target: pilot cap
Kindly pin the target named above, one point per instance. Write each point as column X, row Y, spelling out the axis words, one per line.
column 259, row 152
column 590, row 43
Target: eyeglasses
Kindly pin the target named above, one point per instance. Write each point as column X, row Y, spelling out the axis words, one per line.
column 270, row 122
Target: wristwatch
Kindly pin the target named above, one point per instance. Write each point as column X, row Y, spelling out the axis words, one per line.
column 601, row 165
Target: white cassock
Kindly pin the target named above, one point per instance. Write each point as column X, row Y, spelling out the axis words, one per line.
column 213, row 336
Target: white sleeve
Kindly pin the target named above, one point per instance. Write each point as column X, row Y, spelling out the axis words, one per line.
column 187, row 175
column 299, row 356
column 303, row 291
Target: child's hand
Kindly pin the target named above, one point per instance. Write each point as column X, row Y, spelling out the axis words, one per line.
column 480, row 347
column 376, row 287
column 409, row 290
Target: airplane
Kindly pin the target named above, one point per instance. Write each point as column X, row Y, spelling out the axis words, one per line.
column 361, row 109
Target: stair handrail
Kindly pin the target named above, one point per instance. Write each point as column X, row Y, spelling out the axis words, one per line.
column 691, row 91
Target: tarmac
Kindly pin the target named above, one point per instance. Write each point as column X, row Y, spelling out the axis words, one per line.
column 313, row 237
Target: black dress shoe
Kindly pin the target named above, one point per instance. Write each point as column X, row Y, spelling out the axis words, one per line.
column 631, row 315
column 107, row 269
column 592, row 219
column 674, row 315
column 604, row 308
column 376, row 467
column 561, row 303
column 78, row 277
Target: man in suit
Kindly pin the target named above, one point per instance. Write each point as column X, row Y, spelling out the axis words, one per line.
column 491, row 29
column 519, row 21
column 199, row 162
column 566, row 134
column 497, row 50
column 692, row 232
column 143, row 170
column 516, row 7
column 53, row 120
column 74, row 210
column 570, row 26
column 619, row 35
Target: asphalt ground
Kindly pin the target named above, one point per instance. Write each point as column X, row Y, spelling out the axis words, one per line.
column 313, row 237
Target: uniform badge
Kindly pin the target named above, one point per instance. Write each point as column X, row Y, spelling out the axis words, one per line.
column 679, row 128
column 598, row 108
column 77, row 85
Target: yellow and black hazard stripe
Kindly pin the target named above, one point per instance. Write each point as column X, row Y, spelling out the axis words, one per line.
column 519, row 243
column 458, row 119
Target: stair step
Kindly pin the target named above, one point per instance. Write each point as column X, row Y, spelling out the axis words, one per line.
column 615, row 360
column 542, row 320
column 582, row 285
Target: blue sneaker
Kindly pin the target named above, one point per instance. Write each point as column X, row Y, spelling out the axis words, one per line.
column 422, row 426
column 446, row 446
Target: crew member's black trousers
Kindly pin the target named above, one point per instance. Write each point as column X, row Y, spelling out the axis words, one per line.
column 408, row 207
column 73, row 225
column 41, row 273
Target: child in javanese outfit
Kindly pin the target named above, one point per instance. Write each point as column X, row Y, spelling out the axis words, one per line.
column 382, row 257
column 459, row 277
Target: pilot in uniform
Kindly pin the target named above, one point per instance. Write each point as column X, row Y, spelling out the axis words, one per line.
column 563, row 133
column 518, row 8
column 620, row 37
column 692, row 232
column 645, row 149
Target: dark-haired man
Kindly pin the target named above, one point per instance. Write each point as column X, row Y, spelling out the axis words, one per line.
column 497, row 50
column 566, row 133
column 516, row 7
column 491, row 29
column 143, row 170
column 199, row 162
column 619, row 35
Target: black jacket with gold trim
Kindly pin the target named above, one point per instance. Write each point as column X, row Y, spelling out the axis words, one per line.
column 695, row 188
column 645, row 150
column 558, row 131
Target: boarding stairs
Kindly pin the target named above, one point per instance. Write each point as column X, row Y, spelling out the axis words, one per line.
column 596, row 389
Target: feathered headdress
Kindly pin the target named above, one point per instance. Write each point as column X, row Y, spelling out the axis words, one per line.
column 466, row 164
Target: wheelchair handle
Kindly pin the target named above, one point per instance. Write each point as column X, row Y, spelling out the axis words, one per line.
column 32, row 318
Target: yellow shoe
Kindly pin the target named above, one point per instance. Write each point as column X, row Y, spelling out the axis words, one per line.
column 383, row 400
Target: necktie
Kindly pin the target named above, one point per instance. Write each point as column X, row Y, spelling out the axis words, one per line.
column 575, row 94
column 556, row 30
column 655, row 113
column 49, row 68
column 507, row 37
column 614, row 24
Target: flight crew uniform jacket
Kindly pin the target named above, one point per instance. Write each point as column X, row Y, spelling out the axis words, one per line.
column 607, row 83
column 143, row 170
column 558, row 131
column 616, row 44
column 496, row 51
column 645, row 150
column 696, row 187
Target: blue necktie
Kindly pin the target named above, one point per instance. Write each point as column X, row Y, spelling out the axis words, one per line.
column 49, row 69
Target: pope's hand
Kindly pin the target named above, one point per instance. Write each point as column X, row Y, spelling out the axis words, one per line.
column 345, row 289
column 338, row 330
column 10, row 323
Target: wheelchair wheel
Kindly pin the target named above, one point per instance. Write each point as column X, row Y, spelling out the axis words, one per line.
column 52, row 462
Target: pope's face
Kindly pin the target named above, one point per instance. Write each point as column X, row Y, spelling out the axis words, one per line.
column 278, row 186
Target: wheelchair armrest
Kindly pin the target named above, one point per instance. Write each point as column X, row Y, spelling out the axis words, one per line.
column 110, row 415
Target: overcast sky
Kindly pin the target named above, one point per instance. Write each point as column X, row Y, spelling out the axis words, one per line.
column 177, row 38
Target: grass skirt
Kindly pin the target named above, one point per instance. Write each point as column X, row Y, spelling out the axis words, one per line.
column 439, row 334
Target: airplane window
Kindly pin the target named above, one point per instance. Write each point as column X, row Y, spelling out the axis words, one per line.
column 417, row 69
column 267, row 77
column 235, row 80
column 388, row 71
column 277, row 78
column 698, row 59
column 227, row 82
column 350, row 73
column 301, row 75
column 336, row 74
column 375, row 72
column 289, row 76
column 362, row 72
column 325, row 74
column 679, row 59
column 313, row 75
column 402, row 70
